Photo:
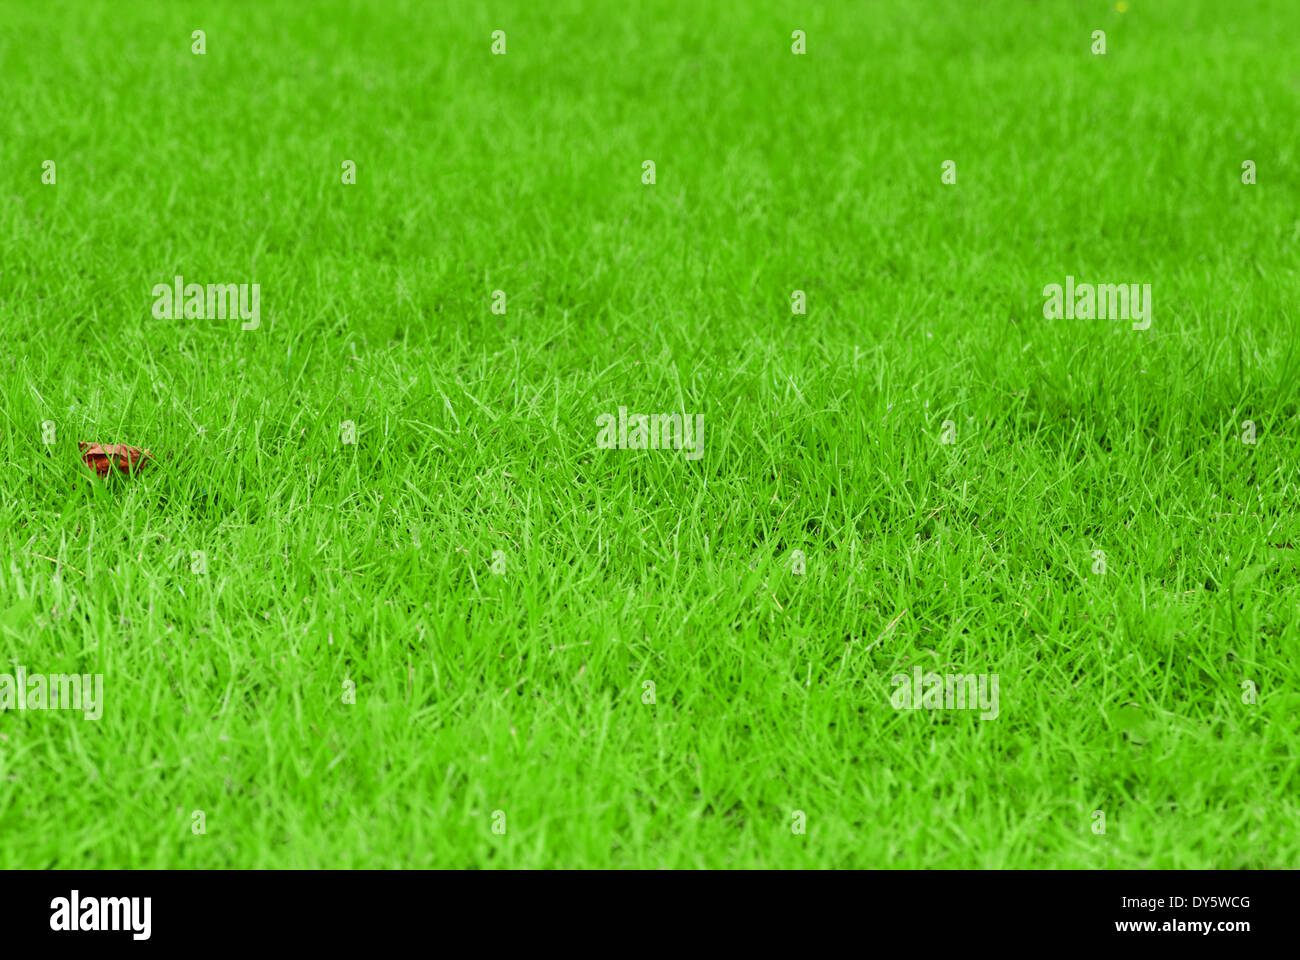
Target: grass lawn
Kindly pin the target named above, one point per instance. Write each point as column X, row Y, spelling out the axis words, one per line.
column 478, row 637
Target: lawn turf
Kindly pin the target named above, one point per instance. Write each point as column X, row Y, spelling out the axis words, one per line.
column 503, row 719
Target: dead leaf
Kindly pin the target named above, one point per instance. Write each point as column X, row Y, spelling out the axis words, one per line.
column 103, row 457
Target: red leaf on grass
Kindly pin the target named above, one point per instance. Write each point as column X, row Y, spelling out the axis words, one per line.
column 103, row 457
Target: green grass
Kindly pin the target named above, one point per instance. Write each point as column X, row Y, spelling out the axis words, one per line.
column 371, row 564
